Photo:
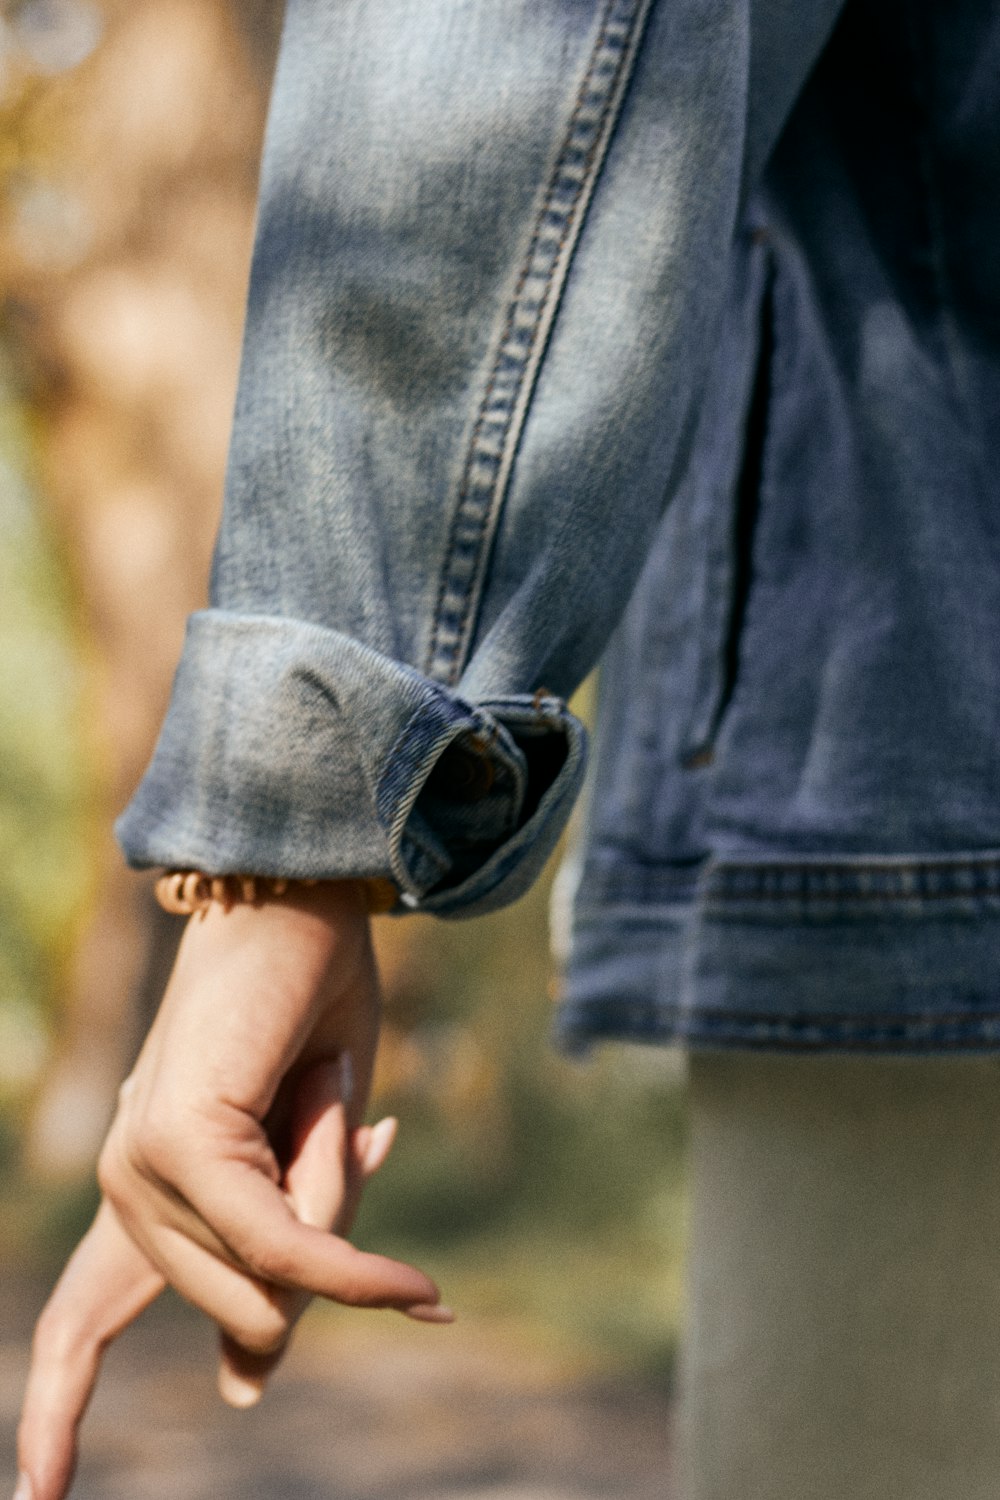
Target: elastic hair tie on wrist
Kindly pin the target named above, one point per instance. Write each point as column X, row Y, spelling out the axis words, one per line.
column 186, row 893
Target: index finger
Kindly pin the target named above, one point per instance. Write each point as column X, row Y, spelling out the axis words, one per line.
column 106, row 1285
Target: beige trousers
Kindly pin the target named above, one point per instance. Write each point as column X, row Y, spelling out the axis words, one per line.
column 843, row 1338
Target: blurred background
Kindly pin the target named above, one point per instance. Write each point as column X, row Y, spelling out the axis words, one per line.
column 546, row 1195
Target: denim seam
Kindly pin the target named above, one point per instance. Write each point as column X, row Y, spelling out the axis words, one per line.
column 948, row 1033
column 530, row 317
column 959, row 1015
column 820, row 883
column 395, row 818
column 512, row 852
column 796, row 891
column 867, row 863
column 781, row 898
column 664, row 1023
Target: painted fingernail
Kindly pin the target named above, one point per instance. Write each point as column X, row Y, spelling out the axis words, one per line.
column 346, row 1062
column 430, row 1312
column 25, row 1490
column 235, row 1390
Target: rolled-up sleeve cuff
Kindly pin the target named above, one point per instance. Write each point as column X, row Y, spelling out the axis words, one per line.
column 294, row 750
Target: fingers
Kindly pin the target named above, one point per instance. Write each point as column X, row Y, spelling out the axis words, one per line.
column 105, row 1285
column 316, row 1184
column 322, row 1183
column 226, row 1199
column 256, row 1222
column 246, row 1308
column 227, row 1236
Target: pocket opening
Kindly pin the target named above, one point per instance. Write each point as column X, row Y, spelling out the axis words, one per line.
column 748, row 494
column 734, row 576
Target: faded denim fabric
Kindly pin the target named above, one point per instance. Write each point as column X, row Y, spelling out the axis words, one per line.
column 551, row 294
column 795, row 829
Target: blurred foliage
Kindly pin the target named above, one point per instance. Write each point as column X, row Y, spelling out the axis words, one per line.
column 46, row 822
column 39, row 41
column 45, row 777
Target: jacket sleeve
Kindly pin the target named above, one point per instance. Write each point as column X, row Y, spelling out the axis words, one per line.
column 491, row 250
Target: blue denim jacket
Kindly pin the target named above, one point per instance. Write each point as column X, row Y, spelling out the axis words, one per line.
column 563, row 306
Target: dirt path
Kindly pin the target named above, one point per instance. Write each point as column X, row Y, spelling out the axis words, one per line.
column 367, row 1408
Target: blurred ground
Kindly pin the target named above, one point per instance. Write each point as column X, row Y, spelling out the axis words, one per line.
column 367, row 1408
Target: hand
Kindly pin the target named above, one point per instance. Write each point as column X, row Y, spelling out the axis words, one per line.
column 221, row 1159
column 193, row 1162
column 108, row 1282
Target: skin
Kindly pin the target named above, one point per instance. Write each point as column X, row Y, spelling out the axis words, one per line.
column 234, row 1164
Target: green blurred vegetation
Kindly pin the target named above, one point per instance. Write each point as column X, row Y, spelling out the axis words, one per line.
column 46, row 779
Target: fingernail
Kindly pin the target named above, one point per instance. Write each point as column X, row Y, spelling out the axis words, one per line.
column 430, row 1312
column 346, row 1063
column 25, row 1489
column 235, row 1390
column 379, row 1142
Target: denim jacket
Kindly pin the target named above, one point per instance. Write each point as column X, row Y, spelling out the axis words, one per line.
column 672, row 323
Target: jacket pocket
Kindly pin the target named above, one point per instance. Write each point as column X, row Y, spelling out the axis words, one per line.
column 731, row 451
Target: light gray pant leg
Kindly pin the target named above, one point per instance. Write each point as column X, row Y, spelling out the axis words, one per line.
column 843, row 1337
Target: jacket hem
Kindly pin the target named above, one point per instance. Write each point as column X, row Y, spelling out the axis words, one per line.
column 875, row 955
column 579, row 1027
